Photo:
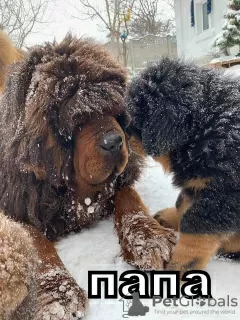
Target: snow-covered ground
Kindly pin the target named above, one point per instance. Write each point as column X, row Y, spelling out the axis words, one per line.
column 98, row 249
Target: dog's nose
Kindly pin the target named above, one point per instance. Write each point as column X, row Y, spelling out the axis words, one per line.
column 112, row 142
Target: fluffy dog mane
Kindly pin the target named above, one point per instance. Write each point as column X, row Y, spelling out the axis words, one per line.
column 50, row 94
column 192, row 114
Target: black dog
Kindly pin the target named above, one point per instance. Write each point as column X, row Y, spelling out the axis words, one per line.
column 188, row 119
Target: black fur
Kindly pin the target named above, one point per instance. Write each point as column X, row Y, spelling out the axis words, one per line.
column 192, row 114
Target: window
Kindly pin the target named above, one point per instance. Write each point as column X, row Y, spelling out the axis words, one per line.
column 205, row 17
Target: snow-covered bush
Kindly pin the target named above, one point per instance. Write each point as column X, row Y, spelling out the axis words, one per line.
column 230, row 35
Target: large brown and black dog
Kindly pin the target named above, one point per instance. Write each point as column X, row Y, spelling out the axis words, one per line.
column 64, row 163
column 188, row 119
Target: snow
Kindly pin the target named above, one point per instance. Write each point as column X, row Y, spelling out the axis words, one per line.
column 234, row 71
column 91, row 209
column 88, row 201
column 224, row 59
column 98, row 249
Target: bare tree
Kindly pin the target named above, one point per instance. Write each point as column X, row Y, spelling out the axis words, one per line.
column 110, row 14
column 141, row 27
column 111, row 17
column 19, row 17
column 170, row 3
column 149, row 18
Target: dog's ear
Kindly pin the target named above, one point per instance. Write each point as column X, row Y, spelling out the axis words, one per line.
column 162, row 101
column 23, row 149
column 31, row 147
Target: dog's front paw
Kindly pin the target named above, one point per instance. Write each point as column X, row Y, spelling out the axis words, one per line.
column 168, row 218
column 59, row 297
column 145, row 244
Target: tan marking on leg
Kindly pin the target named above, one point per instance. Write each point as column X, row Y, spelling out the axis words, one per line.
column 232, row 244
column 165, row 161
column 193, row 252
column 198, row 184
column 171, row 217
column 168, row 218
column 186, row 203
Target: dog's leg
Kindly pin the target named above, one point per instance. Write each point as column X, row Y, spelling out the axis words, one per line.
column 231, row 244
column 193, row 252
column 199, row 236
column 58, row 295
column 204, row 227
column 168, row 218
column 144, row 243
column 230, row 248
column 171, row 217
column 18, row 262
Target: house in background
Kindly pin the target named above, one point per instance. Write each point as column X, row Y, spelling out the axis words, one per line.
column 198, row 22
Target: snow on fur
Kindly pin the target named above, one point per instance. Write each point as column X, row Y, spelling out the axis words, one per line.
column 18, row 262
column 59, row 297
column 157, row 192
